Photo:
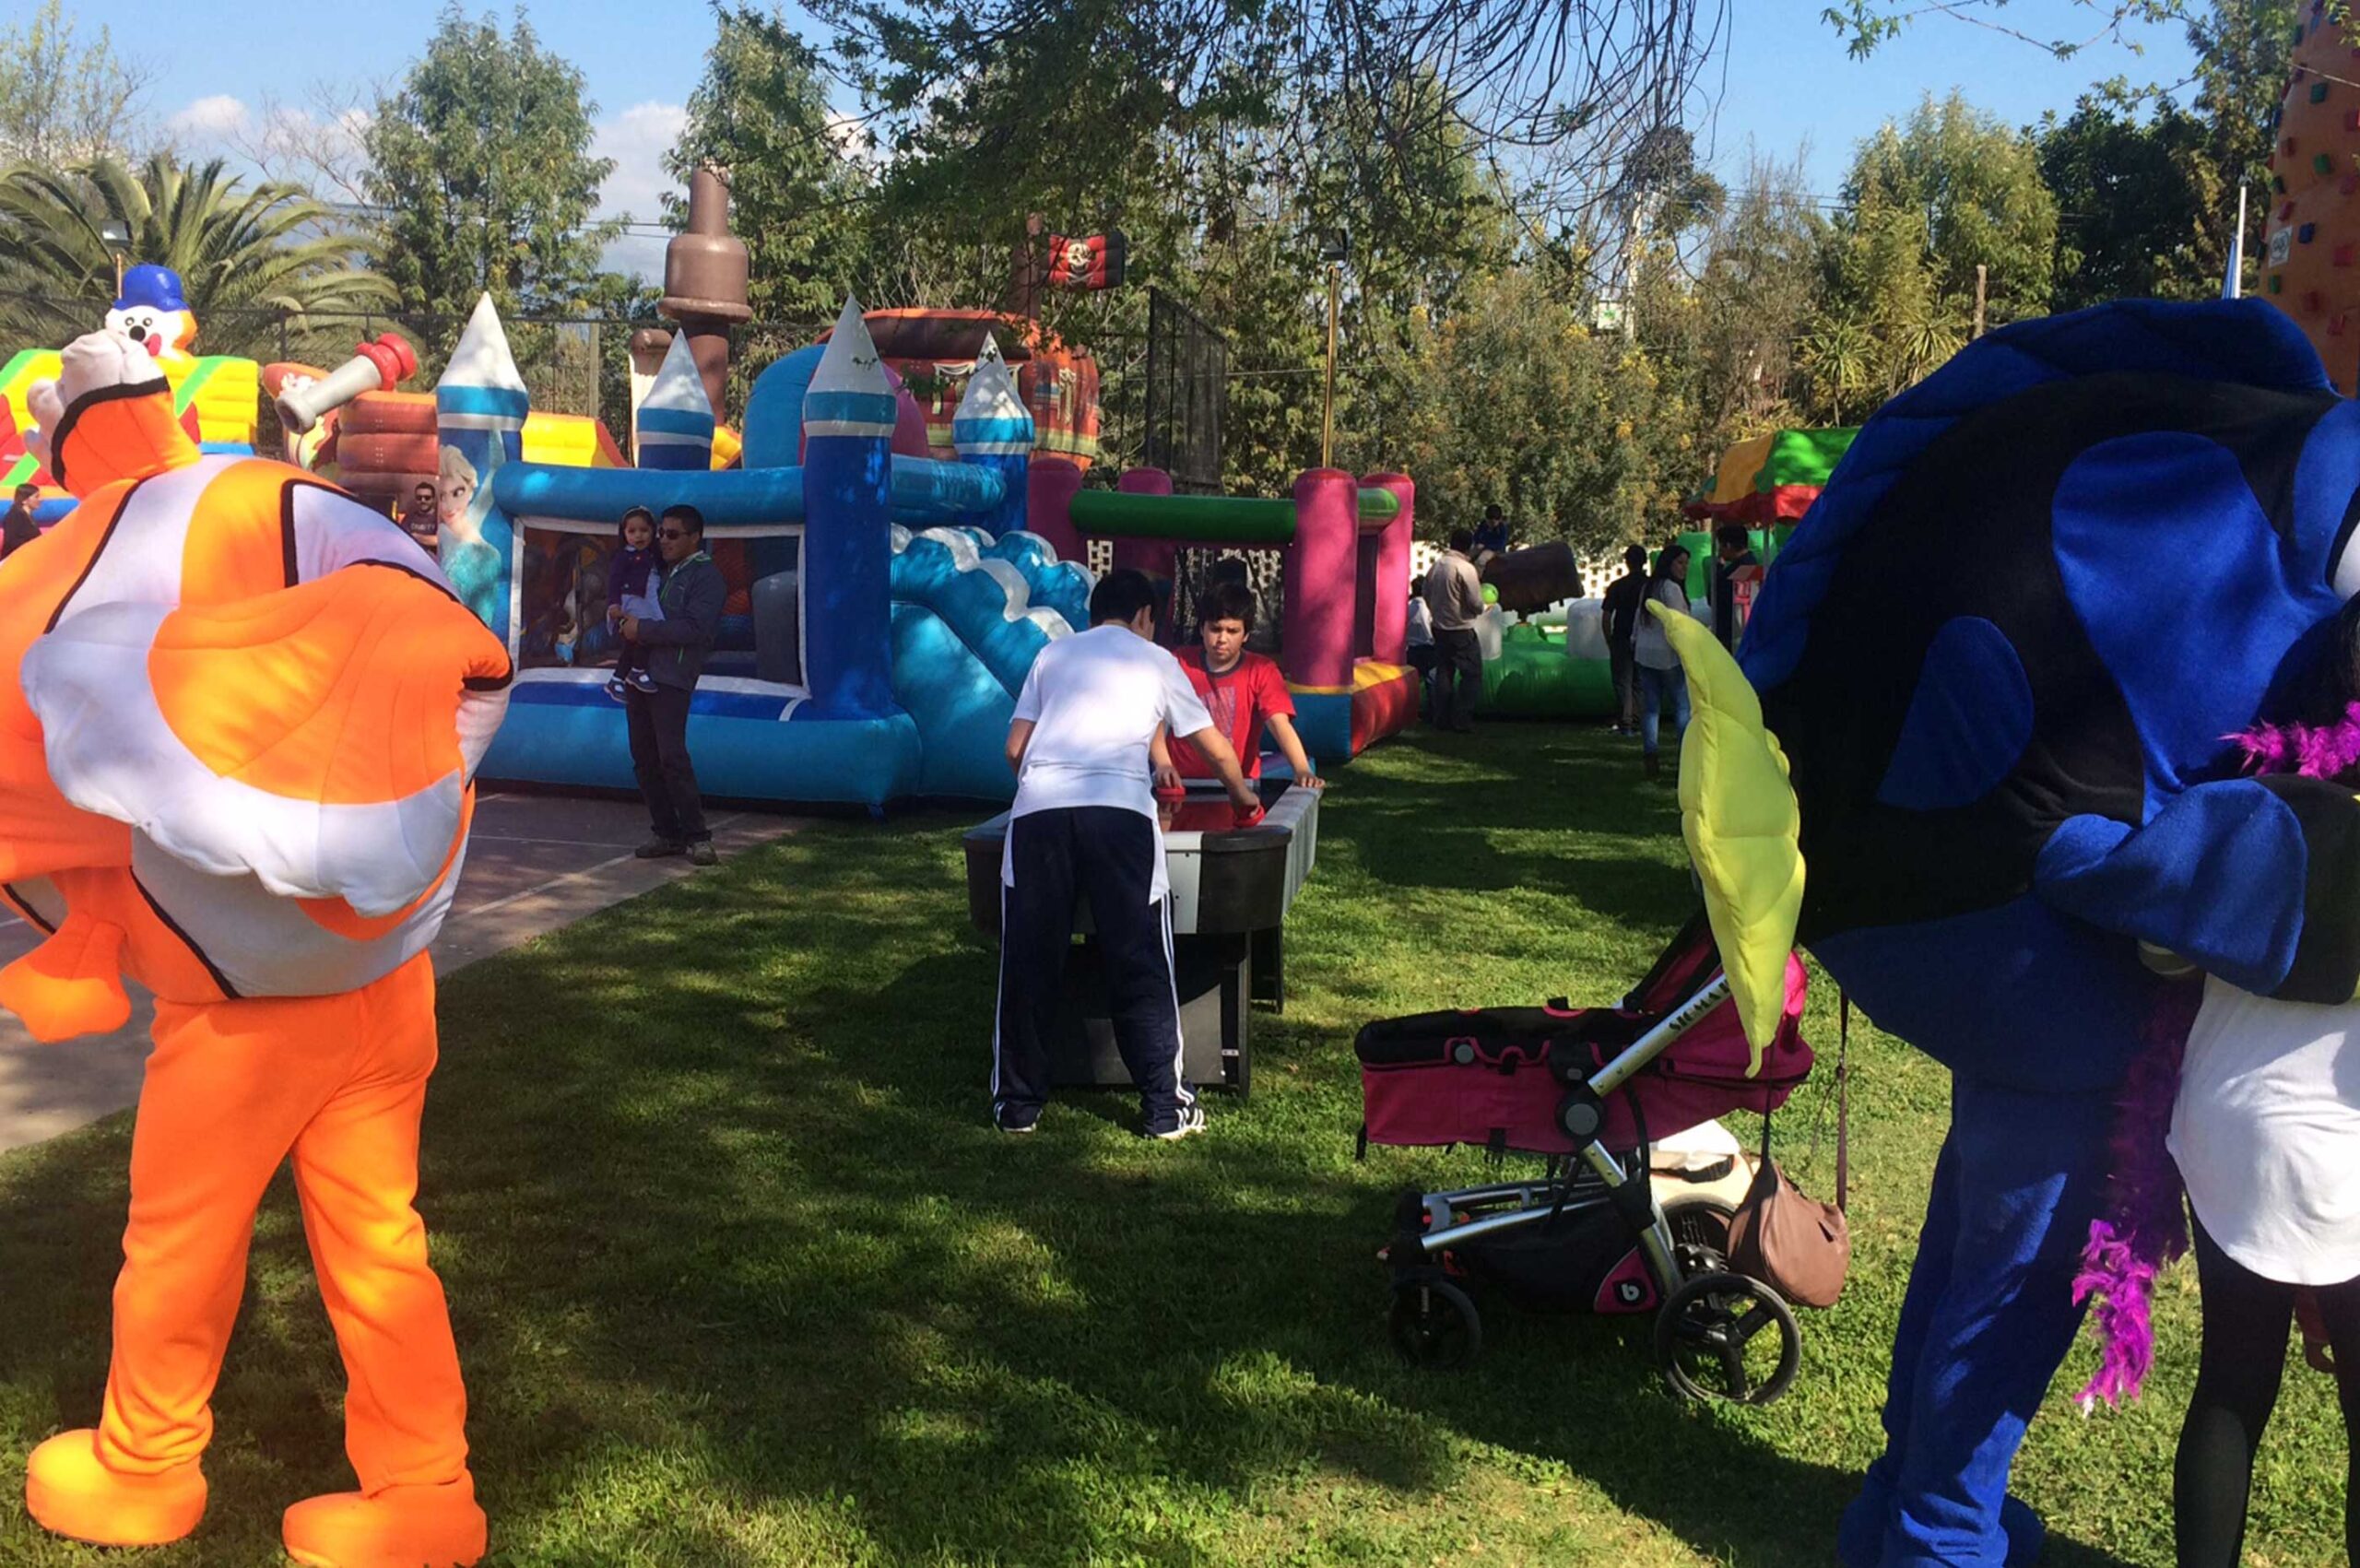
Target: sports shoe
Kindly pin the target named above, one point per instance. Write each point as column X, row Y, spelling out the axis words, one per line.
column 1192, row 1122
column 658, row 848
column 615, row 688
column 642, row 680
column 1018, row 1129
column 701, row 853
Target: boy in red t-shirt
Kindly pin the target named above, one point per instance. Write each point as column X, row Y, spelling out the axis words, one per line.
column 1242, row 691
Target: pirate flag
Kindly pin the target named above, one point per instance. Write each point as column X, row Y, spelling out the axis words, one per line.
column 1095, row 262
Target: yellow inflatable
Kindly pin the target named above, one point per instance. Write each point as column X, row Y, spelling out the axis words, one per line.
column 239, row 723
column 1743, row 826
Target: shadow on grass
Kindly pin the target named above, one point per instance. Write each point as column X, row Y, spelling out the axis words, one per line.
column 741, row 1275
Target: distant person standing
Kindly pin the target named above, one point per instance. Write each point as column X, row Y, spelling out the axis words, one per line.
column 691, row 593
column 1621, row 614
column 1732, row 554
column 1421, row 647
column 421, row 521
column 1662, row 683
column 1454, row 596
column 19, row 529
column 1491, row 538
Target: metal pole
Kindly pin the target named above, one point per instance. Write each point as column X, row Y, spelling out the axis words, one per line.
column 1327, row 415
column 1978, row 299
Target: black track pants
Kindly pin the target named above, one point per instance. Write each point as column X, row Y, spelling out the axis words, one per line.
column 1110, row 854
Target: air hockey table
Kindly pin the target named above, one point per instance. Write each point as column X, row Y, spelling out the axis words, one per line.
column 1232, row 888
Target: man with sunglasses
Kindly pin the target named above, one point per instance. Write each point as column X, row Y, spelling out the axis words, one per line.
column 689, row 591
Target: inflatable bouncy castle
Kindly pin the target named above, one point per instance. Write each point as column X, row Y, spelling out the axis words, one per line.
column 214, row 397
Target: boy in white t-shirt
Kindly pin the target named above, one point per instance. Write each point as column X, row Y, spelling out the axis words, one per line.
column 1085, row 818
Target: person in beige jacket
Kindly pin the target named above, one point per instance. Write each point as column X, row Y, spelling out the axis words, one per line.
column 1455, row 598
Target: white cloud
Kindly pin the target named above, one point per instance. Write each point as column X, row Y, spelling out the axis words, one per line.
column 850, row 133
column 637, row 140
column 218, row 115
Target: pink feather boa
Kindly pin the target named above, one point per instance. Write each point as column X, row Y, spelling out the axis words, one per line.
column 2145, row 1227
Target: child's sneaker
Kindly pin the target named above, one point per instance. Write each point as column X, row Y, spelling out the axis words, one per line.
column 1192, row 1122
column 642, row 679
column 615, row 688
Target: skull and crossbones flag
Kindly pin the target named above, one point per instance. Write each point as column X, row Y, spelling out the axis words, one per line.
column 1094, row 261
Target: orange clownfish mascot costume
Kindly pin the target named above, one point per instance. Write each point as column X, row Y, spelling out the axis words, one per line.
column 241, row 721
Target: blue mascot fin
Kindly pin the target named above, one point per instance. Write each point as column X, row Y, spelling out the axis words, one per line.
column 2255, row 880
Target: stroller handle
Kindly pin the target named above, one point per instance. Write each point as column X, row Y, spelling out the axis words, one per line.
column 1651, row 1044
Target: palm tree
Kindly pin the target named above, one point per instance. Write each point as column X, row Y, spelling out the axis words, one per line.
column 261, row 264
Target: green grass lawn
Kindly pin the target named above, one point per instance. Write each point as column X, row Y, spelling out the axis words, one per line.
column 742, row 1276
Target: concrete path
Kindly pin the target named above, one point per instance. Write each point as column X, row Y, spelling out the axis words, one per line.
column 535, row 862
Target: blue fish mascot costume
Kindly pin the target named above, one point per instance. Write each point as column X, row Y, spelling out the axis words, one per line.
column 2003, row 657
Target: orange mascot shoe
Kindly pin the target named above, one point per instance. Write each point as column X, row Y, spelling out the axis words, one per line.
column 240, row 719
column 68, row 1491
column 402, row 1526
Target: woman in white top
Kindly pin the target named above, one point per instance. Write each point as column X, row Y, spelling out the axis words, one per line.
column 2268, row 1141
column 1662, row 681
column 2265, row 1130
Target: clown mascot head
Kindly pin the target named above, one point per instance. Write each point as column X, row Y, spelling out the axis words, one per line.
column 154, row 313
column 236, row 742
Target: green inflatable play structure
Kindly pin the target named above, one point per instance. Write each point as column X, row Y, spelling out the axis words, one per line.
column 1555, row 666
column 1534, row 678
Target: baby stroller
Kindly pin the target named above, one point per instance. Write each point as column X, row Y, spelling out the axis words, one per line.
column 1599, row 1231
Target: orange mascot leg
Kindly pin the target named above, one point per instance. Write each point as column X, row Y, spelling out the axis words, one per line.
column 231, row 1089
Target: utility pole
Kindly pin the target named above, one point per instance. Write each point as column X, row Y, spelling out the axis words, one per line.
column 1334, row 248
column 1327, row 414
column 1978, row 299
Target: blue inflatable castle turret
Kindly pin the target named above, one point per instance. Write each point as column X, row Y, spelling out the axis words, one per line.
column 676, row 417
column 848, row 517
column 480, row 409
column 993, row 430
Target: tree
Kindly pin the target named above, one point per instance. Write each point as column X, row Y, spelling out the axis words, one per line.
column 2242, row 50
column 2133, row 219
column 760, row 114
column 482, row 160
column 1866, row 24
column 260, row 264
column 1973, row 187
column 64, row 99
column 1756, row 290
column 984, row 93
column 1513, row 399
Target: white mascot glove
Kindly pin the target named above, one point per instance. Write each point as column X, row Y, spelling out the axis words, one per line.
column 92, row 362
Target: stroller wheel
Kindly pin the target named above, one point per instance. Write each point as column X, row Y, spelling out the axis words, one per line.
column 1727, row 1337
column 1434, row 1325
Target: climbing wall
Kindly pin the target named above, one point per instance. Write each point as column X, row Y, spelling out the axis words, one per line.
column 2312, row 237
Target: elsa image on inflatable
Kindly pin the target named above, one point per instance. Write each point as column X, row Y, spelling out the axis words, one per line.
column 467, row 559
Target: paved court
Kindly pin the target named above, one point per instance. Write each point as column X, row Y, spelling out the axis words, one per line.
column 537, row 861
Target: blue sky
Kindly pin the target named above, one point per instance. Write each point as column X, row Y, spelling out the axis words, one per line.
column 1783, row 81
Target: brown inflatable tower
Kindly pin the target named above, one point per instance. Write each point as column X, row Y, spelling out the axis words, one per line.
column 2311, row 239
column 704, row 281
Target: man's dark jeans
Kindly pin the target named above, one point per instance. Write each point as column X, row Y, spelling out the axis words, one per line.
column 1459, row 679
column 659, row 755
